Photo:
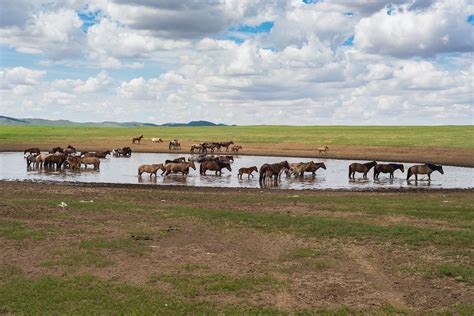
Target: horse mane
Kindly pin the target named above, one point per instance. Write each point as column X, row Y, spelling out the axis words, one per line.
column 372, row 163
column 433, row 166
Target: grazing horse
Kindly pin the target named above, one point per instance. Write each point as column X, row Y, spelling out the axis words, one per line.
column 174, row 145
column 33, row 150
column 216, row 166
column 90, row 161
column 137, row 139
column 226, row 145
column 31, row 159
column 387, row 168
column 151, row 169
column 157, row 140
column 423, row 169
column 247, row 171
column 183, row 167
column 361, row 167
column 272, row 170
column 323, row 150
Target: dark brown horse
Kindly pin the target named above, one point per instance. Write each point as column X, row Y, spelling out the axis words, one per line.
column 216, row 166
column 98, row 154
column 387, row 168
column 56, row 150
column 423, row 169
column 360, row 167
column 180, row 159
column 122, row 152
column 55, row 159
column 272, row 170
column 137, row 139
column 69, row 150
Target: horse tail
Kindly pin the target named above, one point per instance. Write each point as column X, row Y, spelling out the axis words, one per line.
column 409, row 173
column 350, row 172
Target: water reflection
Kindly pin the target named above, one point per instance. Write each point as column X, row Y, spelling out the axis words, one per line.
column 124, row 170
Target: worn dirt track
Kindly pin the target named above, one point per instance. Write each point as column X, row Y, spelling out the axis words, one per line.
column 463, row 157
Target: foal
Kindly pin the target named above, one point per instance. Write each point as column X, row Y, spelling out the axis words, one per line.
column 247, row 171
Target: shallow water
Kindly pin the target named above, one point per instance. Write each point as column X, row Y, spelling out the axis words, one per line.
column 124, row 170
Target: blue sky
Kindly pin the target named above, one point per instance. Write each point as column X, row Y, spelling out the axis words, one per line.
column 299, row 63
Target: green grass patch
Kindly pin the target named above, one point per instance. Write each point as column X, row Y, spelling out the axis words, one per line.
column 17, row 230
column 458, row 272
column 329, row 227
column 443, row 136
column 190, row 267
column 190, row 285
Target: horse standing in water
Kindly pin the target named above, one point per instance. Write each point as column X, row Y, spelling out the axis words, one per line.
column 360, row 167
column 387, row 168
column 272, row 170
column 423, row 169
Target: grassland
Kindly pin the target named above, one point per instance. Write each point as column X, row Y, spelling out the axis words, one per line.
column 183, row 250
column 390, row 136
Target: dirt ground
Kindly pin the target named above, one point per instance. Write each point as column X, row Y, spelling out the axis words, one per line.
column 345, row 272
column 450, row 156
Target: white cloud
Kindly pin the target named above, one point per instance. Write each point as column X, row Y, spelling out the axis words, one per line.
column 438, row 29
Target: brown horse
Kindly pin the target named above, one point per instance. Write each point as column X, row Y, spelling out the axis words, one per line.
column 323, row 150
column 55, row 159
column 423, row 169
column 314, row 166
column 235, row 148
column 151, row 169
column 98, row 154
column 32, row 150
column 174, row 145
column 272, row 169
column 183, row 167
column 196, row 147
column 227, row 158
column 56, row 150
column 387, row 168
column 137, row 139
column 360, row 167
column 247, row 171
column 90, row 161
column 226, row 145
column 74, row 163
column 216, row 166
column 69, row 150
column 122, row 152
column 180, row 159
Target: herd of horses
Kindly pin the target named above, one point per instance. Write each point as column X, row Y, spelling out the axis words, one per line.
column 72, row 159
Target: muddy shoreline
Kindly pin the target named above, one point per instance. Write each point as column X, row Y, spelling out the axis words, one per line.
column 184, row 188
column 459, row 157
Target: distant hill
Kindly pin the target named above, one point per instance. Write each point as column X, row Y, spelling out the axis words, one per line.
column 11, row 121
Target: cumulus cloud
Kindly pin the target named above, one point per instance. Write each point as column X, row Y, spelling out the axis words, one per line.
column 439, row 28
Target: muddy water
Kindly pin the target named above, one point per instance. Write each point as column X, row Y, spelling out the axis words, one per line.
column 124, row 170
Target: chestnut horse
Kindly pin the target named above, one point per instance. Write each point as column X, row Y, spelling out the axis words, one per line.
column 247, row 171
column 137, row 139
column 361, row 167
column 216, row 166
column 424, row 169
column 387, row 168
column 272, row 170
column 90, row 161
column 55, row 159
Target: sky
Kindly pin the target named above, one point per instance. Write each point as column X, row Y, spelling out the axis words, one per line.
column 245, row 62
